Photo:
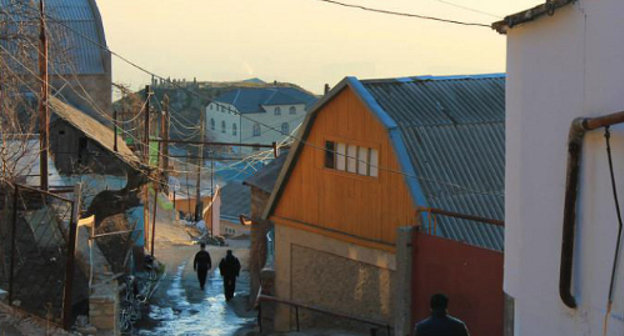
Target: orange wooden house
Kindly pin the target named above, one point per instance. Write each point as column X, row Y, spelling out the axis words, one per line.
column 370, row 153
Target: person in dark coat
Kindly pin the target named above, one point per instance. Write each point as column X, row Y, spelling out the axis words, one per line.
column 202, row 264
column 229, row 268
column 440, row 323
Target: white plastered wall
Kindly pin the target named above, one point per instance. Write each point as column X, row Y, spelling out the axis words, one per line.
column 559, row 68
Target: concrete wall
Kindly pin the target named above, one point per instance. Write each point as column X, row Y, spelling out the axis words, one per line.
column 334, row 275
column 559, row 68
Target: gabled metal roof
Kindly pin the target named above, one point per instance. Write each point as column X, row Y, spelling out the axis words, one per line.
column 448, row 134
column 235, row 201
column 75, row 28
column 453, row 129
column 253, row 100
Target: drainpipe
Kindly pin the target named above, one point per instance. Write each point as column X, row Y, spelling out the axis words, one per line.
column 575, row 146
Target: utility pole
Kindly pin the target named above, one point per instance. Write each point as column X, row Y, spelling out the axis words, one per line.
column 200, row 157
column 44, row 111
column 146, row 129
column 115, row 130
column 165, row 136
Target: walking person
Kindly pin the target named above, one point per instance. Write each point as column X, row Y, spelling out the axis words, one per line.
column 229, row 268
column 202, row 264
column 440, row 323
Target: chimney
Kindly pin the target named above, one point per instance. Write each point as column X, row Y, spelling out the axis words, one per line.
column 326, row 89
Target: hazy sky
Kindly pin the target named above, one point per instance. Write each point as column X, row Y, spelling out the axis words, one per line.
column 307, row 42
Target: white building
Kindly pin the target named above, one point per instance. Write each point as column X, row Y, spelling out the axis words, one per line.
column 242, row 115
column 565, row 60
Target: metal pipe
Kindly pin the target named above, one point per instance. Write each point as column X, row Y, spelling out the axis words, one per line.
column 461, row 215
column 578, row 128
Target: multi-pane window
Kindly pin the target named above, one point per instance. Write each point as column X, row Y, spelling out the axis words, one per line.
column 234, row 129
column 223, row 127
column 212, row 124
column 278, row 111
column 292, row 110
column 285, row 128
column 351, row 158
column 256, row 129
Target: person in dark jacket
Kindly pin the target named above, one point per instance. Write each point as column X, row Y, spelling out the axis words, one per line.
column 440, row 323
column 202, row 264
column 229, row 268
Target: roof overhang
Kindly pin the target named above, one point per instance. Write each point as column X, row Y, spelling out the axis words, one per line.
column 546, row 9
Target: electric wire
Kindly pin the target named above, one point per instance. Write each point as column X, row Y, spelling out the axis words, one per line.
column 607, row 136
column 303, row 142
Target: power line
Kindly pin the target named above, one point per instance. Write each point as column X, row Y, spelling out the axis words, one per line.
column 302, row 141
column 474, row 10
column 411, row 15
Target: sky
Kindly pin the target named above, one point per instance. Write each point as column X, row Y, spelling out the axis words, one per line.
column 307, row 42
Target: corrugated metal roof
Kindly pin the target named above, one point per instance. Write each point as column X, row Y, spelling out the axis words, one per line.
column 74, row 24
column 235, row 201
column 454, row 132
column 94, row 130
column 252, row 100
column 265, row 178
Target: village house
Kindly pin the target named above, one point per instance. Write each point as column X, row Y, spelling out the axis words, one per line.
column 80, row 70
column 564, row 65
column 283, row 108
column 376, row 153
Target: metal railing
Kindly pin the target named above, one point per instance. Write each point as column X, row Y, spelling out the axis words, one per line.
column 266, row 298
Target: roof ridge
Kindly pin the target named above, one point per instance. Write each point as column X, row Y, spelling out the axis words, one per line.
column 422, row 78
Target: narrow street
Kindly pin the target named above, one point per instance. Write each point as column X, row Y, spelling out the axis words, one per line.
column 180, row 307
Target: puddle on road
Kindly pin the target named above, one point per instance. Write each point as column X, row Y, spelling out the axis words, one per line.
column 208, row 314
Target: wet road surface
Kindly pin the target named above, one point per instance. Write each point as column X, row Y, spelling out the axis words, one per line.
column 180, row 307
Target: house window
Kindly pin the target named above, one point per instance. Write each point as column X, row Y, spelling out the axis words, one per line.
column 256, row 129
column 330, row 156
column 234, row 129
column 373, row 169
column 212, row 124
column 292, row 110
column 351, row 158
column 223, row 126
column 278, row 111
column 285, row 128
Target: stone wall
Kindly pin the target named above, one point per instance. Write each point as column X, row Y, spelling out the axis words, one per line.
column 257, row 252
column 333, row 275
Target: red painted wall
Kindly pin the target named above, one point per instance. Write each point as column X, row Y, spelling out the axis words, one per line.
column 471, row 277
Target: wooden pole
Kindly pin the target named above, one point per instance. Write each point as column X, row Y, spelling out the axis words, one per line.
column 154, row 218
column 165, row 135
column 146, row 131
column 44, row 111
column 200, row 162
column 13, row 238
column 115, row 130
column 70, row 262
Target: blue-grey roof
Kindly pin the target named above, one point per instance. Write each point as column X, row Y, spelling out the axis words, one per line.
column 265, row 178
column 453, row 130
column 235, row 201
column 75, row 26
column 252, row 100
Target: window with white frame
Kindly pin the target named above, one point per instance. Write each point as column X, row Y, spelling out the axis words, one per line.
column 278, row 111
column 223, row 126
column 212, row 124
column 234, row 129
column 351, row 158
column 256, row 129
column 292, row 110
